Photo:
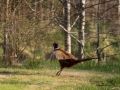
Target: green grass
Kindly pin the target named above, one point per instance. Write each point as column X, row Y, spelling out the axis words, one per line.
column 109, row 67
column 42, row 77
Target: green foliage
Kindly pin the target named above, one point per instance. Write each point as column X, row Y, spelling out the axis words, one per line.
column 41, row 64
column 88, row 27
column 90, row 48
column 32, row 64
column 110, row 67
column 104, row 25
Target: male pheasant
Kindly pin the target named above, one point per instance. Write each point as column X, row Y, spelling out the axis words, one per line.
column 65, row 59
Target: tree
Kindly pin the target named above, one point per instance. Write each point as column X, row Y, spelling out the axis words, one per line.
column 10, row 32
column 66, row 5
column 28, row 24
column 98, row 33
column 119, row 11
column 81, row 28
column 105, row 15
column 6, row 38
column 7, row 52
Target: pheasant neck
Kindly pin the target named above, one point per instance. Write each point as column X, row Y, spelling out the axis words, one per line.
column 56, row 48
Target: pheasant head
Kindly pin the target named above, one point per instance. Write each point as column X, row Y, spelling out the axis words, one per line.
column 56, row 46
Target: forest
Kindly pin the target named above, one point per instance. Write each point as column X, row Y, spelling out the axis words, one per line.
column 84, row 28
column 29, row 27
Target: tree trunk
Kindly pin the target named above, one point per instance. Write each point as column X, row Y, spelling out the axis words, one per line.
column 98, row 33
column 81, row 28
column 6, row 36
column 119, row 11
column 67, row 25
column 9, row 49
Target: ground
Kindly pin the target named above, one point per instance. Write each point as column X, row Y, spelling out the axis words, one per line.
column 45, row 79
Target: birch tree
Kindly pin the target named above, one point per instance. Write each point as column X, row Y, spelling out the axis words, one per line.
column 81, row 28
column 67, row 26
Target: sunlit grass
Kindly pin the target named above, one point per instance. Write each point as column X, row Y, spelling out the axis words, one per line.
column 42, row 77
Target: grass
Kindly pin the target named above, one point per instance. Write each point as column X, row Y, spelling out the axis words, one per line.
column 43, row 77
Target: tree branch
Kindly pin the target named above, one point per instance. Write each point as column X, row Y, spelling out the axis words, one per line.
column 98, row 4
column 70, row 33
column 29, row 5
column 109, row 45
column 75, row 22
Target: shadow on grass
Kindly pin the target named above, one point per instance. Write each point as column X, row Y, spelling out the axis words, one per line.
column 17, row 73
column 8, row 73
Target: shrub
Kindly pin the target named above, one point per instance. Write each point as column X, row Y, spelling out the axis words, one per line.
column 32, row 64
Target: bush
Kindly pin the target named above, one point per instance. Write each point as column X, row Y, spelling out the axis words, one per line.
column 32, row 64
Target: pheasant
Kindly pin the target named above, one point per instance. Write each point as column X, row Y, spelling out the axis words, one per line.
column 65, row 59
column 58, row 53
column 69, row 63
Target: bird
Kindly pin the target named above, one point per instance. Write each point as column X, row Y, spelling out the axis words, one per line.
column 65, row 59
column 58, row 53
column 69, row 63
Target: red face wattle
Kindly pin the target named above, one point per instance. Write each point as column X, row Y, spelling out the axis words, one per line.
column 54, row 44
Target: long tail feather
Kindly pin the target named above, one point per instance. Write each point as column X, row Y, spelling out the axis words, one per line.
column 71, row 62
column 86, row 59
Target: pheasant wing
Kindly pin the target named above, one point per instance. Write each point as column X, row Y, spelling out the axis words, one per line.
column 60, row 54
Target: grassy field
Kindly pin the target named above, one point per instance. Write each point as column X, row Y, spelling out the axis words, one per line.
column 79, row 77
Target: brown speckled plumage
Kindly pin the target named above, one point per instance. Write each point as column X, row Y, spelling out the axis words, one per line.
column 65, row 59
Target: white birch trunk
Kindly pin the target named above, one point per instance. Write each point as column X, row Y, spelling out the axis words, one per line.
column 67, row 26
column 81, row 36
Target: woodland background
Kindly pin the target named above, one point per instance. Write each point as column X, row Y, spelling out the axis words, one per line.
column 29, row 27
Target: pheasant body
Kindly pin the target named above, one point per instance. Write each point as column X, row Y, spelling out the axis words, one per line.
column 65, row 59
column 60, row 54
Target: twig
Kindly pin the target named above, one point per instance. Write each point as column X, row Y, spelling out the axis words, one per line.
column 75, row 21
column 109, row 45
column 29, row 5
column 70, row 33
